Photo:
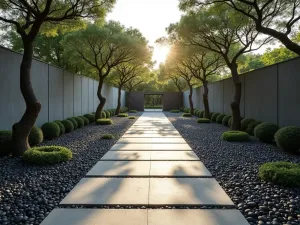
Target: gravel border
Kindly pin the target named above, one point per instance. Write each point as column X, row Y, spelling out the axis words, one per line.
column 29, row 193
column 235, row 166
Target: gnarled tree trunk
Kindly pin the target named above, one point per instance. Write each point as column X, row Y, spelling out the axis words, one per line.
column 119, row 100
column 191, row 100
column 235, row 105
column 21, row 130
column 101, row 99
column 205, row 100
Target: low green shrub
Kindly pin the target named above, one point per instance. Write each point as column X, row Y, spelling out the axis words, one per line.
column 36, row 136
column 201, row 115
column 245, row 123
column 50, row 130
column 174, row 111
column 79, row 121
column 107, row 136
column 122, row 115
column 281, row 173
column 186, row 115
column 131, row 117
column 226, row 120
column 181, row 109
column 90, row 117
column 133, row 111
column 104, row 122
column 187, row 110
column 288, row 139
column 74, row 122
column 5, row 142
column 203, row 120
column 103, row 115
column 107, row 113
column 214, row 117
column 69, row 127
column 47, row 155
column 230, row 122
column 220, row 118
column 251, row 127
column 85, row 120
column 234, row 135
column 61, row 127
column 266, row 131
column 196, row 111
column 123, row 110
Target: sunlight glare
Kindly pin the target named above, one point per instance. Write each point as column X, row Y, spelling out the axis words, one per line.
column 160, row 53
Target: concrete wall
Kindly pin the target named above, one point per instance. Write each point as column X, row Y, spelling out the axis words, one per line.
column 61, row 93
column 269, row 94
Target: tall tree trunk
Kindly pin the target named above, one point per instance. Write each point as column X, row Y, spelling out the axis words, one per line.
column 101, row 99
column 119, row 100
column 235, row 105
column 205, row 100
column 191, row 100
column 21, row 130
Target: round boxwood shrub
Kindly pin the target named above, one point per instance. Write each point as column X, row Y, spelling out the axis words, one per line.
column 186, row 115
column 50, row 130
column 288, row 139
column 196, row 111
column 47, row 155
column 203, row 120
column 61, row 127
column 219, row 118
column 226, row 120
column 5, row 142
column 133, row 111
column 282, row 173
column 113, row 112
column 104, row 122
column 103, row 115
column 123, row 115
column 79, row 121
column 131, row 117
column 69, row 127
column 214, row 117
column 107, row 136
column 85, row 120
column 265, row 132
column 235, row 135
column 230, row 122
column 90, row 117
column 245, row 123
column 74, row 122
column 36, row 136
column 201, row 115
column 251, row 127
column 107, row 113
column 174, row 111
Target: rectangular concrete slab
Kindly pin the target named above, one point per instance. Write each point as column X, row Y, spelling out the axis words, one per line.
column 109, row 191
column 152, row 135
column 151, row 147
column 174, row 155
column 96, row 217
column 151, row 132
column 151, row 140
column 187, row 191
column 195, row 217
column 127, row 155
column 120, row 168
column 178, row 169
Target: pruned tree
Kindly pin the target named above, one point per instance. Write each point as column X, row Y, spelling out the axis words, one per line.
column 102, row 49
column 277, row 18
column 179, row 83
column 28, row 18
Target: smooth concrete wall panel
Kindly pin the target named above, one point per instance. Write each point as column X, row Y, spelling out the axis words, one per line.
column 201, row 98
column 85, row 95
column 77, row 96
column 228, row 96
column 186, row 99
column 56, row 93
column 68, row 94
column 261, row 94
column 218, row 97
column 110, row 101
column 171, row 100
column 91, row 95
column 136, row 100
column 211, row 97
column 123, row 99
column 242, row 104
column 289, row 93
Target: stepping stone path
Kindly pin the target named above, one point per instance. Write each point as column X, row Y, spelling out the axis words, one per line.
column 149, row 168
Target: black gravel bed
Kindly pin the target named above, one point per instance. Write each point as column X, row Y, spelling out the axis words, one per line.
column 29, row 193
column 235, row 167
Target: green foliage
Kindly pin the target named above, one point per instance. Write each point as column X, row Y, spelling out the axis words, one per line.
column 69, row 127
column 5, row 142
column 250, row 62
column 272, row 56
column 153, row 107
column 131, row 117
column 104, row 122
column 235, row 136
column 196, row 111
column 186, row 115
column 288, row 139
column 50, row 130
column 133, row 111
column 174, row 111
column 85, row 120
column 265, row 132
column 107, row 113
column 187, row 110
column 230, row 122
column 251, row 127
column 90, row 117
column 225, row 120
column 181, row 109
column 36, row 136
column 103, row 115
column 107, row 136
column 220, row 118
column 123, row 115
column 47, row 155
column 203, row 120
column 245, row 123
column 201, row 115
column 123, row 110
column 61, row 127
column 214, row 117
column 80, row 121
column 74, row 122
column 281, row 173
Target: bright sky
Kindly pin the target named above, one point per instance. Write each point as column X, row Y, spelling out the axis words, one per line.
column 151, row 17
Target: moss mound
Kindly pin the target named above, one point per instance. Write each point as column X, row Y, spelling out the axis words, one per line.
column 107, row 136
column 235, row 136
column 186, row 115
column 104, row 122
column 131, row 117
column 203, row 120
column 122, row 115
